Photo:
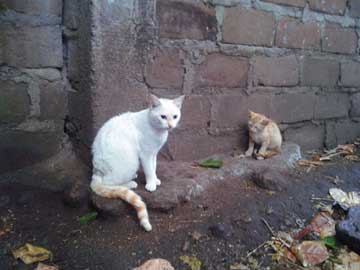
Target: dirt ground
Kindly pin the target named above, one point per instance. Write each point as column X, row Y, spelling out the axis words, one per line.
column 218, row 228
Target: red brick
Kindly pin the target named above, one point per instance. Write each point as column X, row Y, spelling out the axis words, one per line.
column 196, row 144
column 319, row 72
column 350, row 74
column 332, row 105
column 222, row 71
column 250, row 27
column 164, row 69
column 339, row 40
column 181, row 20
column 195, row 112
column 355, row 105
column 328, row 6
column 292, row 33
column 294, row 3
column 354, row 6
column 276, row 71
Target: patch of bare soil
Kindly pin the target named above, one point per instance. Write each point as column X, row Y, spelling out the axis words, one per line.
column 219, row 228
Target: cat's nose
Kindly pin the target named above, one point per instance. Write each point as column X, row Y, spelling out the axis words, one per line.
column 170, row 125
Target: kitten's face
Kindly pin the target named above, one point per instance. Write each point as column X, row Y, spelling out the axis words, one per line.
column 165, row 113
column 257, row 122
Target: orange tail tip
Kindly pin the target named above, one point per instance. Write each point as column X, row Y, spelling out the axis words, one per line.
column 120, row 192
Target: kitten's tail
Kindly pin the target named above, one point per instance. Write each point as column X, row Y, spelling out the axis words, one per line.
column 126, row 194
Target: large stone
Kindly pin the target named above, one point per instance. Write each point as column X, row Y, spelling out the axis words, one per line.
column 35, row 7
column 240, row 25
column 354, row 8
column 178, row 19
column 350, row 74
column 339, row 40
column 292, row 33
column 286, row 72
column 308, row 136
column 20, row 149
column 294, row 3
column 332, row 105
column 341, row 132
column 14, row 102
column 355, row 105
column 348, row 230
column 32, row 47
column 222, row 71
column 182, row 182
column 164, row 69
column 319, row 72
column 53, row 100
column 329, row 6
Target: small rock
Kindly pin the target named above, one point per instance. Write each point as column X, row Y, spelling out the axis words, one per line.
column 348, row 230
column 220, row 231
column 107, row 206
column 76, row 194
column 270, row 179
column 155, row 264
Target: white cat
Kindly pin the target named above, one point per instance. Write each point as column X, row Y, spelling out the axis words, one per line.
column 124, row 142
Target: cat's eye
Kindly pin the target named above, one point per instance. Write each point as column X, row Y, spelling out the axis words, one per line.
column 163, row 116
column 175, row 116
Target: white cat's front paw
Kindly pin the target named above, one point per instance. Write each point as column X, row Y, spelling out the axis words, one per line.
column 158, row 182
column 248, row 153
column 150, row 186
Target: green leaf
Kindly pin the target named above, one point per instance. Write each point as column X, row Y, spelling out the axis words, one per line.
column 211, row 163
column 87, row 218
column 330, row 241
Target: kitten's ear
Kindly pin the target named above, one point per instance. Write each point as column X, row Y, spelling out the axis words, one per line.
column 179, row 101
column 154, row 101
column 251, row 113
column 265, row 122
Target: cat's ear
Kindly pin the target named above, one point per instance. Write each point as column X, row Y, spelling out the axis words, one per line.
column 251, row 113
column 154, row 101
column 179, row 101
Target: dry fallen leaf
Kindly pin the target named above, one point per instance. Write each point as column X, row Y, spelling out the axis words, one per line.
column 345, row 200
column 30, row 254
column 155, row 264
column 42, row 266
column 323, row 224
column 310, row 253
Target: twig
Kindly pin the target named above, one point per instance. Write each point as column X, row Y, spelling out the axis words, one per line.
column 268, row 226
column 255, row 249
column 321, row 199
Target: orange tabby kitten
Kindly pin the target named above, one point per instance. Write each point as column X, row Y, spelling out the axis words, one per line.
column 264, row 132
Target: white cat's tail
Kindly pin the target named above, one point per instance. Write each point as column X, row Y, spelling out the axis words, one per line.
column 126, row 194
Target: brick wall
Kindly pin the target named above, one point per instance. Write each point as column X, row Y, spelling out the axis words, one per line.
column 296, row 61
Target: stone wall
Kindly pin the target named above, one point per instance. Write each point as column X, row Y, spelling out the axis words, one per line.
column 297, row 61
column 33, row 99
